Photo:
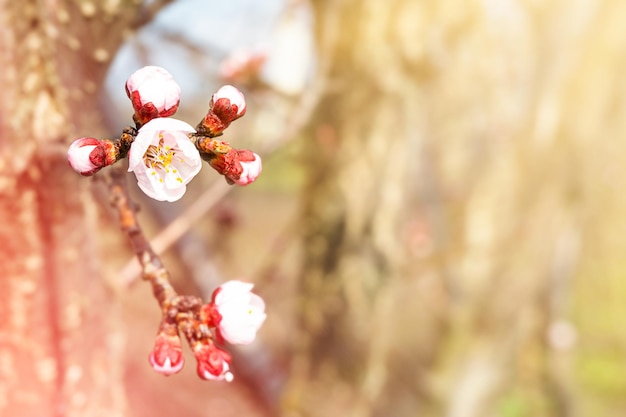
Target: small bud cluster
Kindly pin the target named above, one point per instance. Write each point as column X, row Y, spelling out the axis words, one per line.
column 165, row 154
column 233, row 315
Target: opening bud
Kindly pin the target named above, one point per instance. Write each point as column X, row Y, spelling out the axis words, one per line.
column 153, row 93
column 250, row 169
column 230, row 102
column 89, row 155
column 241, row 312
column 227, row 105
column 239, row 166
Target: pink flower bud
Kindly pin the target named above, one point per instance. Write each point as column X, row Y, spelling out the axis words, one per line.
column 153, row 93
column 251, row 171
column 89, row 155
column 239, row 166
column 242, row 312
column 213, row 362
column 167, row 355
column 233, row 99
column 227, row 104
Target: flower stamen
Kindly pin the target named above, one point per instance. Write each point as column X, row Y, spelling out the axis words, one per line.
column 162, row 157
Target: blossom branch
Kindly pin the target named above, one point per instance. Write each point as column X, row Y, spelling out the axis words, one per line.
column 234, row 312
column 165, row 154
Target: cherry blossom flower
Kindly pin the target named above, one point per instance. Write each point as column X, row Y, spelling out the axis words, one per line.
column 213, row 362
column 153, row 93
column 88, row 155
column 167, row 355
column 241, row 313
column 164, row 159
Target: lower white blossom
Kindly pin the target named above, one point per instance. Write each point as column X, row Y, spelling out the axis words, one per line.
column 164, row 159
column 242, row 312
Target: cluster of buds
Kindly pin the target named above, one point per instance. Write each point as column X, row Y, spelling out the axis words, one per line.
column 233, row 315
column 165, row 154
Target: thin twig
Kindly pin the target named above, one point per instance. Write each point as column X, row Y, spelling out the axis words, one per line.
column 179, row 313
column 151, row 265
column 179, row 310
column 176, row 229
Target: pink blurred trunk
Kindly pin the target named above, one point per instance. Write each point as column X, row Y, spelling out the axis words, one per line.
column 58, row 353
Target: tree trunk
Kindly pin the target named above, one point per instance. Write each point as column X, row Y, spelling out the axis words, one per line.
column 442, row 309
column 358, row 160
column 59, row 355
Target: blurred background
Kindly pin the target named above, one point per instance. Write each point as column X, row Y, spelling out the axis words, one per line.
column 438, row 229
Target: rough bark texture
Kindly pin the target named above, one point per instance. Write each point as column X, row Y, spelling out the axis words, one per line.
column 58, row 353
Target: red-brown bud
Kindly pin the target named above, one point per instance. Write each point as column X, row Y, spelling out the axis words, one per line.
column 167, row 355
column 213, row 362
column 227, row 105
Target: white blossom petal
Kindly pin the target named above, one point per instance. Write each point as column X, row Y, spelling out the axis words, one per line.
column 139, row 147
column 164, row 159
column 242, row 312
column 167, row 123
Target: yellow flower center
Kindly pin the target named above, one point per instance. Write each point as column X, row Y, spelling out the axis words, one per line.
column 161, row 157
